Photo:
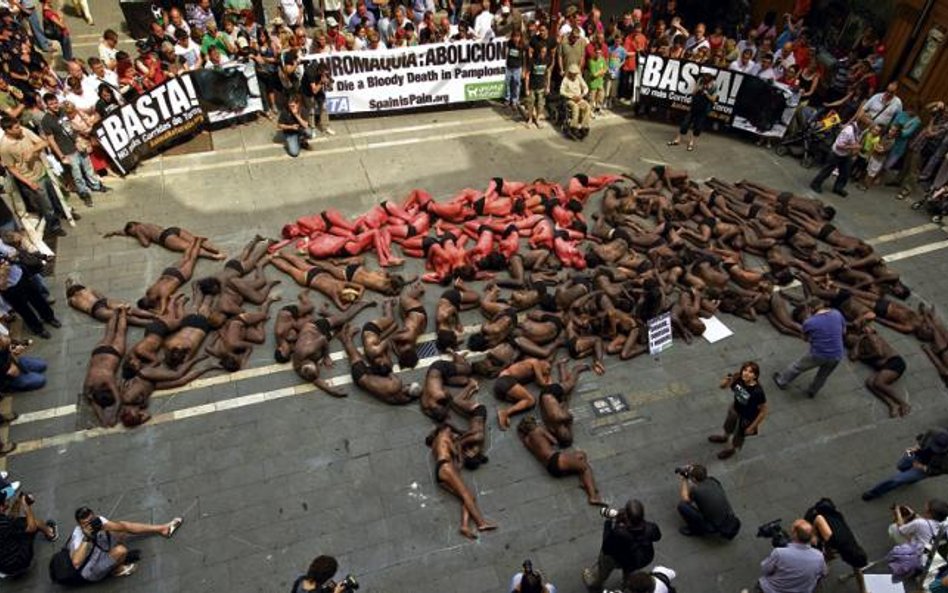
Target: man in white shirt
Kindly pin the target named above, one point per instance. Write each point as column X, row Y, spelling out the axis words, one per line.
column 784, row 58
column 744, row 63
column 698, row 40
column 189, row 51
column 841, row 156
column 749, row 43
column 108, row 48
column 483, row 23
column 884, row 106
column 100, row 74
column 766, row 70
column 918, row 530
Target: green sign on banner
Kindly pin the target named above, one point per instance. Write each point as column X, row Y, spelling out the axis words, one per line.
column 480, row 91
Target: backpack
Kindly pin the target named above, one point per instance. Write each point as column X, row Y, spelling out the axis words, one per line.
column 660, row 576
column 61, row 569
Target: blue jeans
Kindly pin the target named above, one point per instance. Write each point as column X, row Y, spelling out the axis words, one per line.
column 31, row 375
column 695, row 520
column 512, row 82
column 292, row 142
column 906, row 475
column 83, row 173
column 36, row 24
column 805, row 363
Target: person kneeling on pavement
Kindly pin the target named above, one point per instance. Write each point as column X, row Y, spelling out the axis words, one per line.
column 627, row 540
column 18, row 528
column 574, row 89
column 296, row 131
column 704, row 505
column 833, row 534
column 93, row 554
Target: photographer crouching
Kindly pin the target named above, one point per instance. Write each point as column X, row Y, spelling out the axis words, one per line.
column 319, row 578
column 627, row 540
column 704, row 505
column 795, row 567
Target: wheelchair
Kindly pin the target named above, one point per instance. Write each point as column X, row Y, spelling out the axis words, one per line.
column 557, row 113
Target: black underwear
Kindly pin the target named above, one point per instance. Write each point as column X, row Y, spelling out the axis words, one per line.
column 351, row 270
column 324, row 327
column 792, row 230
column 448, row 236
column 621, row 233
column 713, row 200
column 748, row 198
column 825, row 232
column 382, row 370
column 553, row 466
column 312, row 273
column 427, row 243
column 711, row 222
column 359, row 370
column 102, row 303
column 372, row 328
column 840, row 298
column 895, row 364
column 174, row 273
column 235, row 265
column 561, row 234
column 447, row 369
column 659, row 170
column 293, row 310
column 519, row 205
column 171, row 231
column 511, row 228
column 548, row 204
column 196, row 321
column 480, row 411
column 512, row 314
column 554, row 389
column 784, row 198
column 411, row 232
column 74, row 289
column 418, row 309
column 106, row 349
column 571, row 345
column 157, row 328
column 547, row 318
column 498, row 184
column 453, row 296
column 783, row 210
column 753, row 211
column 881, row 308
column 503, row 385
column 479, row 205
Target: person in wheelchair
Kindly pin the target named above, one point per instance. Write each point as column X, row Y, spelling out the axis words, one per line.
column 574, row 90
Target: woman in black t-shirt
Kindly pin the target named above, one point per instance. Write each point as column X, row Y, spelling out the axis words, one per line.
column 747, row 411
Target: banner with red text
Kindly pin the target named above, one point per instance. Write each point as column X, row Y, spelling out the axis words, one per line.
column 411, row 77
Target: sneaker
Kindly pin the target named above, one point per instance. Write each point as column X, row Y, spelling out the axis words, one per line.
column 125, row 570
column 75, row 215
column 867, row 496
column 103, row 189
column 840, row 192
column 329, row 132
column 776, row 377
column 43, row 333
column 727, row 453
column 86, row 199
column 55, row 323
column 717, row 438
column 816, row 187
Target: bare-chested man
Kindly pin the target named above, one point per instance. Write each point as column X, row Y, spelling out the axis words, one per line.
column 542, row 444
column 509, row 387
column 101, row 386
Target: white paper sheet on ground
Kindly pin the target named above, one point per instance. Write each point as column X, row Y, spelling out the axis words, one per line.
column 882, row 583
column 714, row 329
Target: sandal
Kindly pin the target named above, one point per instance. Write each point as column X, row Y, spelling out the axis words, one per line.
column 673, row 143
column 126, row 570
column 691, row 147
column 174, row 525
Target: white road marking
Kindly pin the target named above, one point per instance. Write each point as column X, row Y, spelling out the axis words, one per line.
column 317, row 152
column 910, row 232
column 920, row 250
column 192, row 412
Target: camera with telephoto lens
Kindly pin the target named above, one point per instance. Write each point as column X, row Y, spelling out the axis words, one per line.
column 349, row 584
column 773, row 531
column 608, row 513
column 95, row 525
column 684, row 471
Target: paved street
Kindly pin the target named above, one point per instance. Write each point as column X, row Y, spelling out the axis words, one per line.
column 268, row 474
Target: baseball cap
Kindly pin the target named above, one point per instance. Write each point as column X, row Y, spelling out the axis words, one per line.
column 331, row 22
column 573, row 69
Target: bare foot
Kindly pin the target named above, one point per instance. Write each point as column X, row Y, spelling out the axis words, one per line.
column 503, row 420
column 466, row 532
column 893, row 411
column 905, row 410
column 596, row 501
column 487, row 526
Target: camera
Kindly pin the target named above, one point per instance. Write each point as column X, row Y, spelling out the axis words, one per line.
column 348, row 584
column 684, row 471
column 774, row 531
column 95, row 525
column 608, row 513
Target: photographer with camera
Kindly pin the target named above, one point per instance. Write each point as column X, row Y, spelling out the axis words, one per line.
column 92, row 553
column 530, row 581
column 627, row 540
column 704, row 505
column 908, row 527
column 319, row 578
column 317, row 80
column 795, row 568
column 747, row 411
column 927, row 458
column 18, row 529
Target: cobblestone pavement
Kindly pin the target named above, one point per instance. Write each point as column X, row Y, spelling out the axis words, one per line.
column 268, row 475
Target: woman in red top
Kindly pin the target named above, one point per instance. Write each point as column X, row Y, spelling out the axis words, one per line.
column 128, row 76
column 55, row 28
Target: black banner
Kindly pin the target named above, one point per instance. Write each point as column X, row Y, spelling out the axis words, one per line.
column 745, row 102
column 151, row 122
